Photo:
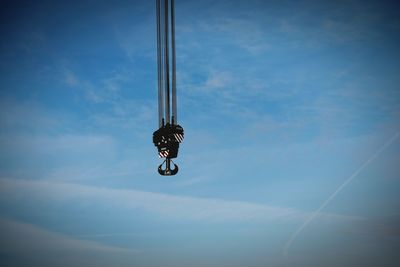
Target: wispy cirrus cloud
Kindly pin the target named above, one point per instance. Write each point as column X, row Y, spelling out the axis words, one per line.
column 246, row 34
column 111, row 107
column 24, row 237
column 28, row 116
column 166, row 206
column 27, row 244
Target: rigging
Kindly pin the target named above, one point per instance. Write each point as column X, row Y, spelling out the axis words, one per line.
column 169, row 135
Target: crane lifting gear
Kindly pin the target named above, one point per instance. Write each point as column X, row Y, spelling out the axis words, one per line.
column 169, row 135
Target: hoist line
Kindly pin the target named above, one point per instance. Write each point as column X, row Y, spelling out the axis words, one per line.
column 163, row 73
column 166, row 57
column 169, row 134
column 174, row 109
column 159, row 66
column 166, row 91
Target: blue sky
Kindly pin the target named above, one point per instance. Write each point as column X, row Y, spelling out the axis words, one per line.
column 281, row 102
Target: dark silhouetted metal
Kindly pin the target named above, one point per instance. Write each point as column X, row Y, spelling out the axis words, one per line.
column 169, row 135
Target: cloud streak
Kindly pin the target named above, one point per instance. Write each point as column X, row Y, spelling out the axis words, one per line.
column 24, row 237
column 165, row 206
column 313, row 215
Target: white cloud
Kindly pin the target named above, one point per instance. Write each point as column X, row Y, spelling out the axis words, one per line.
column 246, row 34
column 217, row 80
column 193, row 181
column 24, row 237
column 165, row 206
column 71, row 79
column 116, row 110
column 27, row 116
column 64, row 144
column 138, row 39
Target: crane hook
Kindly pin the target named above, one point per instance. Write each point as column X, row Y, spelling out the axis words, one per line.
column 168, row 171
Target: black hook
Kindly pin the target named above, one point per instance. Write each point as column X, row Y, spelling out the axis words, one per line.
column 168, row 171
